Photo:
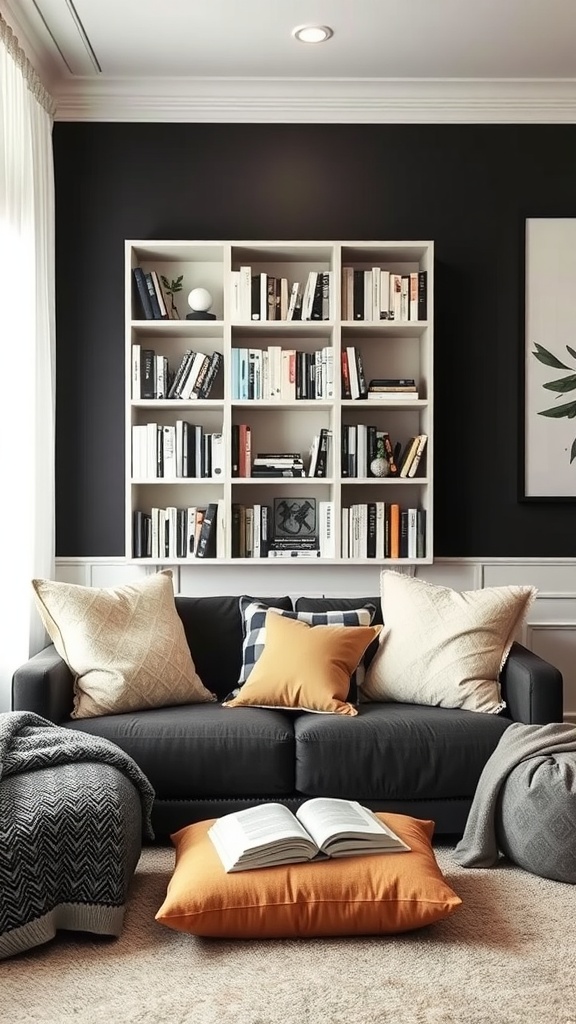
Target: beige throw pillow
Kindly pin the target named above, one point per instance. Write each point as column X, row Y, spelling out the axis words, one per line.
column 443, row 647
column 125, row 645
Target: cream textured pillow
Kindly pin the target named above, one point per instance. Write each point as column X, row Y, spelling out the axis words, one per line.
column 125, row 645
column 442, row 647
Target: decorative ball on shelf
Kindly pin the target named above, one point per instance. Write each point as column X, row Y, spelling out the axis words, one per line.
column 380, row 467
column 200, row 301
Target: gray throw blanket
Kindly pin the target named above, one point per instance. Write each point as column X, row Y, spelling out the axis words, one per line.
column 478, row 847
column 73, row 808
column 29, row 742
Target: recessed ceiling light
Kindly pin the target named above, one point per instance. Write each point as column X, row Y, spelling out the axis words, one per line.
column 312, row 33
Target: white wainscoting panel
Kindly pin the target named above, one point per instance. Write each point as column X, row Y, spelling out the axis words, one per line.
column 550, row 630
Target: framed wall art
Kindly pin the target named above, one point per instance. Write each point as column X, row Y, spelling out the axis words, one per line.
column 549, row 465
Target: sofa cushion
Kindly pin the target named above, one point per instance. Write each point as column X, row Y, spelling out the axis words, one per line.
column 444, row 647
column 305, row 667
column 254, row 628
column 206, row 751
column 213, row 627
column 373, row 894
column 125, row 645
column 394, row 752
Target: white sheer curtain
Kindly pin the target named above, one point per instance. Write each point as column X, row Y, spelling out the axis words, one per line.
column 27, row 329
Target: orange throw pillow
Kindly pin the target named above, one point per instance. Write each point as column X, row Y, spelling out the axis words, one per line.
column 306, row 668
column 374, row 894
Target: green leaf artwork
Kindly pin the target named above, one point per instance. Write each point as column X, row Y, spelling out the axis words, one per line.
column 562, row 386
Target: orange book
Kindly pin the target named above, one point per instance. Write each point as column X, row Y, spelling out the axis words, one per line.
column 394, row 531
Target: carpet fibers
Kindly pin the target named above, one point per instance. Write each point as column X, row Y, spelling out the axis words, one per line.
column 507, row 955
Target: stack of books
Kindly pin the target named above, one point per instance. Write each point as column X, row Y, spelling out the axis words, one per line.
column 274, row 464
column 386, row 388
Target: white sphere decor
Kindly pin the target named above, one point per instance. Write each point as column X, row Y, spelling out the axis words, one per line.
column 200, row 300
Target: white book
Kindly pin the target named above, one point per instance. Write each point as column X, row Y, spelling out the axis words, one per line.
column 136, row 372
column 217, row 455
column 322, row 827
column 384, row 295
column 362, row 531
column 235, row 296
column 154, row 541
column 160, row 369
column 414, row 296
column 179, row 447
column 152, row 442
column 245, row 292
column 263, row 296
column 191, row 531
column 345, row 532
column 327, row 529
column 361, row 450
column 292, row 553
column 275, row 370
column 314, row 455
column 292, row 300
column 353, row 372
column 308, row 297
column 196, row 366
column 412, row 532
column 139, row 453
column 256, row 524
column 376, row 299
column 169, row 451
column 172, row 530
column 380, row 530
column 405, row 297
column 329, row 372
column 392, row 396
column 368, row 295
column 395, row 297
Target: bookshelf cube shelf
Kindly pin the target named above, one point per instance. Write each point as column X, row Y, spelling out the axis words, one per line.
column 263, row 413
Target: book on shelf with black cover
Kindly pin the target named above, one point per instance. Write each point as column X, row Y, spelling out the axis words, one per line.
column 156, row 311
column 216, row 360
column 422, row 295
column 358, row 295
column 206, row 547
column 321, row 467
column 147, row 373
column 143, row 294
column 362, row 385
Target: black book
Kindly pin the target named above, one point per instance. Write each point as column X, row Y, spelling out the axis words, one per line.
column 404, row 533
column 265, row 529
column 207, row 539
column 147, row 373
column 235, row 450
column 179, row 373
column 138, row 549
column 421, row 533
column 371, row 537
column 280, row 471
column 255, row 307
column 422, row 295
column 316, row 313
column 156, row 311
column 362, row 385
column 358, row 294
column 181, row 523
column 143, row 294
column 216, row 360
column 321, row 467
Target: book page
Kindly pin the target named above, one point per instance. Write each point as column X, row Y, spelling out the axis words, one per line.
column 326, row 818
column 256, row 828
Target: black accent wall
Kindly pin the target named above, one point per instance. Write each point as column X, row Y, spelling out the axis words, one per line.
column 468, row 187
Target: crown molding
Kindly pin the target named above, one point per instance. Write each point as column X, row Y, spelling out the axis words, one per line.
column 281, row 100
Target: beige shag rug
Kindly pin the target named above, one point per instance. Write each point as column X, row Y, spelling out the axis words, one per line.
column 507, row 955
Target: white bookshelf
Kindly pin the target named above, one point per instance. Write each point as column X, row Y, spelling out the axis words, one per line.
column 389, row 348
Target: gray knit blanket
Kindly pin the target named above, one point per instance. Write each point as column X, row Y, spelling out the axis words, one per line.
column 73, row 809
column 478, row 847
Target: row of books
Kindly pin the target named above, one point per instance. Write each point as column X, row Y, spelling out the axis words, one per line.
column 378, row 294
column 283, row 374
column 261, row 296
column 152, row 303
column 287, row 528
column 192, row 532
column 170, row 451
column 382, row 530
column 153, row 378
column 372, row 294
column 364, row 446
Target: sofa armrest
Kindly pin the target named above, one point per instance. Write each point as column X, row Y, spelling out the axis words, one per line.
column 531, row 687
column 44, row 685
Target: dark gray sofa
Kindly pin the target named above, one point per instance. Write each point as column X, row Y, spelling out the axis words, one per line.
column 204, row 760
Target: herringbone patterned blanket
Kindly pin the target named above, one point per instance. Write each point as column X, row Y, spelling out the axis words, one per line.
column 73, row 808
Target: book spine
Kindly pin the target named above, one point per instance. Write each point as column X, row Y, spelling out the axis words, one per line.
column 156, row 313
column 148, row 375
column 422, row 295
column 206, row 547
column 143, row 295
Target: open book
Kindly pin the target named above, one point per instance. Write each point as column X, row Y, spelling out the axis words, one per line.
column 323, row 827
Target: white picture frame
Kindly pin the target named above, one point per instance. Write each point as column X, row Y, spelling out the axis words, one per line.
column 550, row 359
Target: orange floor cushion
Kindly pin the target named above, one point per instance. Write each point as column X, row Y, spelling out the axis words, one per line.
column 374, row 894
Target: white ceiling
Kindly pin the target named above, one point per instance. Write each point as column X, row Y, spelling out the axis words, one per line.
column 237, row 60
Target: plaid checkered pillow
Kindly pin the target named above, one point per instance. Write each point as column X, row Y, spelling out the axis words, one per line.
column 254, row 625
